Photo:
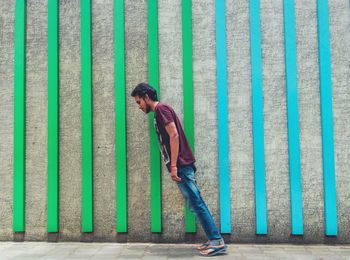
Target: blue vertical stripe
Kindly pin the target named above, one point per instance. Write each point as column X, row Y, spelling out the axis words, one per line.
column 258, row 118
column 293, row 118
column 327, row 119
column 224, row 171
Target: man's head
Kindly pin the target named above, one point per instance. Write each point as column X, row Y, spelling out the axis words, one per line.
column 144, row 96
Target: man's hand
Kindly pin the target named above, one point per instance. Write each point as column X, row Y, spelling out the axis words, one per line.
column 173, row 174
column 174, row 149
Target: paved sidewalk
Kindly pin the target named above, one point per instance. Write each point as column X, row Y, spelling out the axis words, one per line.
column 105, row 251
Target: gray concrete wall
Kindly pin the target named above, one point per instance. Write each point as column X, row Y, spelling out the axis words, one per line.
column 170, row 84
column 70, row 120
column 6, row 117
column 310, row 121
column 36, row 121
column 275, row 120
column 205, row 106
column 340, row 45
column 104, row 121
column 138, row 157
column 240, row 119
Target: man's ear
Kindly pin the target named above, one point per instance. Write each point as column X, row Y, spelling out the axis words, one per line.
column 146, row 98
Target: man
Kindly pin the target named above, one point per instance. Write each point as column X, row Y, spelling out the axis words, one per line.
column 180, row 161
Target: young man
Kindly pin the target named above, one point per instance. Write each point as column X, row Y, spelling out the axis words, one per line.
column 180, row 161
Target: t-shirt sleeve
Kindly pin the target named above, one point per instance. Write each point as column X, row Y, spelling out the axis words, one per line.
column 165, row 116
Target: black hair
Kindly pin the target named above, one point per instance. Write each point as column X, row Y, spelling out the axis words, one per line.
column 143, row 89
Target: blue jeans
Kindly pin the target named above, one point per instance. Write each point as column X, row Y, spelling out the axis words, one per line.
column 192, row 195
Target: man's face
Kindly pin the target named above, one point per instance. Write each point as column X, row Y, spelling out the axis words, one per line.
column 142, row 104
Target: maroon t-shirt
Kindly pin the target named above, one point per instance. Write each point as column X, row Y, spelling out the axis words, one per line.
column 164, row 115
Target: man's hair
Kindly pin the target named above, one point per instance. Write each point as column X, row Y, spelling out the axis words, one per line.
column 143, row 89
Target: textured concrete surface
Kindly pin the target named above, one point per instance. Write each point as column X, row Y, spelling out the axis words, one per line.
column 275, row 120
column 171, row 85
column 240, row 119
column 36, row 120
column 309, row 120
column 340, row 49
column 6, row 118
column 138, row 158
column 205, row 106
column 103, row 120
column 70, row 120
column 37, row 250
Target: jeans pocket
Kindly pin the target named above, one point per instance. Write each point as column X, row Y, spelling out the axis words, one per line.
column 192, row 177
column 187, row 173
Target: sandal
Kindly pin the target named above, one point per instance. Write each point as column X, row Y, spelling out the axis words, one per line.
column 213, row 250
column 204, row 246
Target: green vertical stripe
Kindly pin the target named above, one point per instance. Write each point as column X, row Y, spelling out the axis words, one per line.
column 190, row 222
column 153, row 79
column 120, row 116
column 53, row 118
column 19, row 118
column 86, row 117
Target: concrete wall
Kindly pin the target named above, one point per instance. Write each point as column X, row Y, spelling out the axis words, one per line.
column 205, row 106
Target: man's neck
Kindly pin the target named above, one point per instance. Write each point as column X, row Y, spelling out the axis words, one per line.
column 153, row 105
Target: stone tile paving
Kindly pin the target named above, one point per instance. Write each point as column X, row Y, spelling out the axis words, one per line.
column 148, row 251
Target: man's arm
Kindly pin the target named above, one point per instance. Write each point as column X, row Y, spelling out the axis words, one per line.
column 174, row 148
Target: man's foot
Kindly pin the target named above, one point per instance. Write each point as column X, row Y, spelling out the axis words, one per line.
column 213, row 250
column 204, row 246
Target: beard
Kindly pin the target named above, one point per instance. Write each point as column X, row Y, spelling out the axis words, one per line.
column 148, row 109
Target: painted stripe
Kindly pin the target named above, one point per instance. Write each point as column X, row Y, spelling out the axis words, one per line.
column 19, row 118
column 153, row 78
column 53, row 119
column 224, row 171
column 330, row 201
column 120, row 116
column 293, row 118
column 258, row 118
column 86, row 118
column 190, row 221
